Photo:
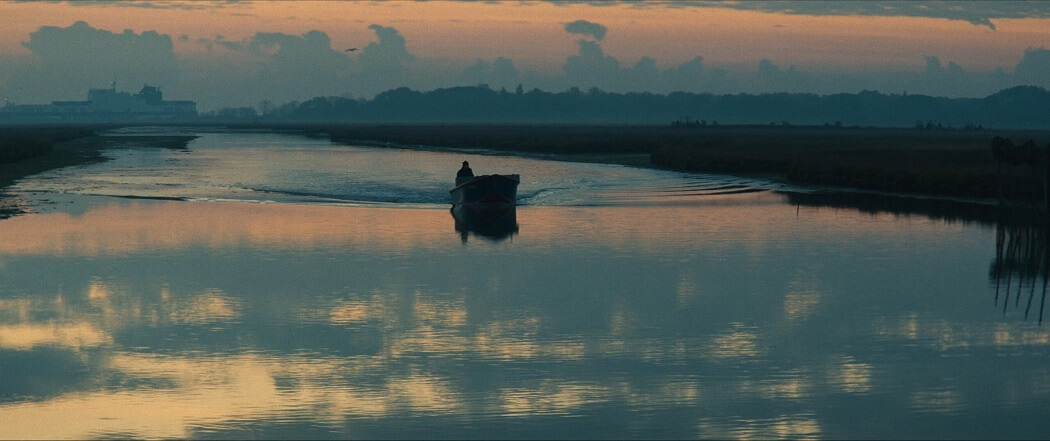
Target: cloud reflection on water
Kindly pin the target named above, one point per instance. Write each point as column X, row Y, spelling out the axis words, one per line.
column 740, row 323
column 27, row 336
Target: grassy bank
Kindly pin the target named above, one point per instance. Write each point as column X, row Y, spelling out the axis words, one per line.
column 945, row 163
column 948, row 163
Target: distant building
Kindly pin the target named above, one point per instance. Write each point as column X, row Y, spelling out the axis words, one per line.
column 105, row 105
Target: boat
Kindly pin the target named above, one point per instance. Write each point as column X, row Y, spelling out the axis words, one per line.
column 486, row 189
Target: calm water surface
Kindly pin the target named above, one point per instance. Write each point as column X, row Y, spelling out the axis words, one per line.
column 267, row 286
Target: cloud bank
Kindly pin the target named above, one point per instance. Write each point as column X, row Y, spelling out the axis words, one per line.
column 279, row 68
column 584, row 27
column 69, row 60
column 979, row 13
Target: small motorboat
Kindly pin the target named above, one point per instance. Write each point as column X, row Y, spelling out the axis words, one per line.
column 486, row 189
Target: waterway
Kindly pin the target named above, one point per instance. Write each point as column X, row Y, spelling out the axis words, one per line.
column 274, row 286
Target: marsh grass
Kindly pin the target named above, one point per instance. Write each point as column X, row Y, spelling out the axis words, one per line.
column 954, row 163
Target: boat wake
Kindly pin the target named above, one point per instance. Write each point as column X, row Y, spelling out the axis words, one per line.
column 267, row 168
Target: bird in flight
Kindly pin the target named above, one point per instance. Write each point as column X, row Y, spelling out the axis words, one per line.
column 351, row 49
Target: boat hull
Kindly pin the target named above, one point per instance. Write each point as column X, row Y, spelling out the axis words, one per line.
column 486, row 190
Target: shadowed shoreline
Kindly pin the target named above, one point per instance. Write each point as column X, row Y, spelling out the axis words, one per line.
column 939, row 163
column 41, row 149
column 931, row 165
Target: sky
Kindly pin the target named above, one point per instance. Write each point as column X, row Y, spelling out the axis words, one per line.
column 245, row 53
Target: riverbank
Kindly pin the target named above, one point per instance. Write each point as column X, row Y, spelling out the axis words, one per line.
column 948, row 164
column 945, row 163
column 48, row 149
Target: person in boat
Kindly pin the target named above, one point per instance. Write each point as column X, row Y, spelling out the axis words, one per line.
column 465, row 171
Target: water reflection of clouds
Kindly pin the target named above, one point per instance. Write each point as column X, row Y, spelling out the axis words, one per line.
column 799, row 305
column 189, row 394
column 211, row 306
column 206, row 391
column 655, row 348
column 939, row 401
column 849, row 375
column 791, row 385
column 944, row 335
column 15, row 309
column 803, row 426
column 68, row 324
column 551, row 398
column 195, row 392
column 804, row 295
column 121, row 307
column 740, row 341
column 215, row 391
column 26, row 336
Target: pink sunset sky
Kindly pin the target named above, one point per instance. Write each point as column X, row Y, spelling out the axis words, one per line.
column 238, row 53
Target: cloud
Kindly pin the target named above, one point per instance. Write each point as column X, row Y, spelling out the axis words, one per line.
column 64, row 62
column 280, row 67
column 1034, row 67
column 390, row 50
column 767, row 68
column 383, row 64
column 159, row 4
column 499, row 73
column 975, row 12
column 67, row 61
column 980, row 13
column 270, row 65
column 687, row 76
column 592, row 67
column 933, row 65
column 773, row 78
column 584, row 27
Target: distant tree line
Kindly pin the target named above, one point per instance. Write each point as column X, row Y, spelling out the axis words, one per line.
column 1017, row 107
column 930, row 125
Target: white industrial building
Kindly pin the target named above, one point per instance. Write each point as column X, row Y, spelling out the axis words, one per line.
column 105, row 105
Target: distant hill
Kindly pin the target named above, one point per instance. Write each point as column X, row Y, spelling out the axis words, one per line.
column 1016, row 107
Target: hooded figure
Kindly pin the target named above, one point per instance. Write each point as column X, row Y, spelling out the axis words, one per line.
column 465, row 171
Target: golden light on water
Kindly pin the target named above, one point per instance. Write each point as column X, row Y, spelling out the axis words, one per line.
column 134, row 227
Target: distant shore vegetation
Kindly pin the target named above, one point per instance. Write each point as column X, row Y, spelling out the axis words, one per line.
column 959, row 163
column 899, row 143
column 1016, row 107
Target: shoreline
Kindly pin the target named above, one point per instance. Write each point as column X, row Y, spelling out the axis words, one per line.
column 644, row 160
column 957, row 165
column 628, row 159
column 86, row 150
column 73, row 152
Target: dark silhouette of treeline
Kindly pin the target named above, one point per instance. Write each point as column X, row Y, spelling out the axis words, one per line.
column 1017, row 107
